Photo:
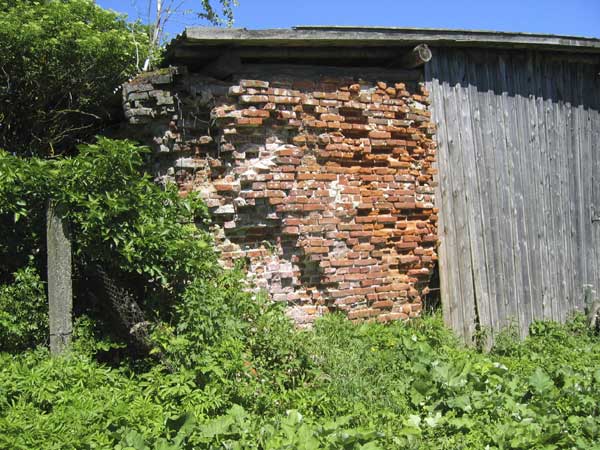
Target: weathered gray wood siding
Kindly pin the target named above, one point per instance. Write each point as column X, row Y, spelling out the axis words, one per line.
column 519, row 185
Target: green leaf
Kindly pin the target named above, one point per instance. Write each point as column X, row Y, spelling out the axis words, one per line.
column 540, row 381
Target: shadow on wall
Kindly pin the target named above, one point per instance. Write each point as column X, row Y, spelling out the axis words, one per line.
column 557, row 77
column 519, row 171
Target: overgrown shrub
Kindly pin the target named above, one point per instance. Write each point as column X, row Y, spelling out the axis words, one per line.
column 61, row 65
column 119, row 217
column 233, row 344
column 120, row 220
column 205, row 321
column 365, row 386
column 23, row 312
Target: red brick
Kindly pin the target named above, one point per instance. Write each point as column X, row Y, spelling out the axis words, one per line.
column 253, row 98
column 359, row 313
column 290, row 230
column 225, row 187
column 255, row 113
column 379, row 134
column 254, row 84
column 343, row 197
column 383, row 304
column 249, row 121
column 332, row 118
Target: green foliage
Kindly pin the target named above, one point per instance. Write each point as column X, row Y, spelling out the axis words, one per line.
column 233, row 372
column 232, row 344
column 239, row 430
column 367, row 386
column 118, row 215
column 23, row 311
column 120, row 220
column 213, row 15
column 62, row 62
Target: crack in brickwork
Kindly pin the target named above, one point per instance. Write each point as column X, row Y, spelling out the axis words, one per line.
column 325, row 187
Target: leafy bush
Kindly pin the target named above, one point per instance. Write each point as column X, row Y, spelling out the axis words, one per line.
column 206, row 325
column 366, row 386
column 23, row 312
column 119, row 217
column 120, row 220
column 232, row 344
column 62, row 62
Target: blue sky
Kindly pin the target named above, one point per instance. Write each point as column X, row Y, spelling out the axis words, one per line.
column 568, row 17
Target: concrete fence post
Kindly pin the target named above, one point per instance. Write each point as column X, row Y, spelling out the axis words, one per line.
column 60, row 295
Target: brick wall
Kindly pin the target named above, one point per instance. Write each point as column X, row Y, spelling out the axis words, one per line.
column 323, row 185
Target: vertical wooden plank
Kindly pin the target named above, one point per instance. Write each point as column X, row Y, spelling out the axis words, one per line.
column 517, row 186
column 457, row 160
column 588, row 157
column 484, row 150
column 60, row 296
column 484, row 284
column 587, row 160
column 493, row 143
column 438, row 118
column 448, row 268
column 534, row 179
column 568, row 191
column 530, row 161
column 594, row 207
column 552, row 118
column 512, row 178
column 506, row 190
column 593, row 211
column 592, row 180
column 573, row 81
column 521, row 193
column 472, row 158
column 563, row 109
column 593, row 184
column 545, row 229
column 559, row 151
column 576, row 117
column 550, row 124
column 576, row 185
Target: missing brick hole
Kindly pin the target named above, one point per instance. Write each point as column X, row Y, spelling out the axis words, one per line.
column 356, row 134
column 381, row 150
column 351, row 112
column 432, row 300
column 310, row 272
column 401, row 135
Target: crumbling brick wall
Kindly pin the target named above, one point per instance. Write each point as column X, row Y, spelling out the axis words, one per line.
column 323, row 185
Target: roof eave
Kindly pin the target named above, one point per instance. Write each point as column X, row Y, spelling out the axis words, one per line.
column 322, row 36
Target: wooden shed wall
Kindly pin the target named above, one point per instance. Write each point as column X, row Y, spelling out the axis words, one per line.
column 519, row 185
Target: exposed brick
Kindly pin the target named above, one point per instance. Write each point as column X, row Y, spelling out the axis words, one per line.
column 254, row 84
column 378, row 134
column 254, row 99
column 326, row 186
